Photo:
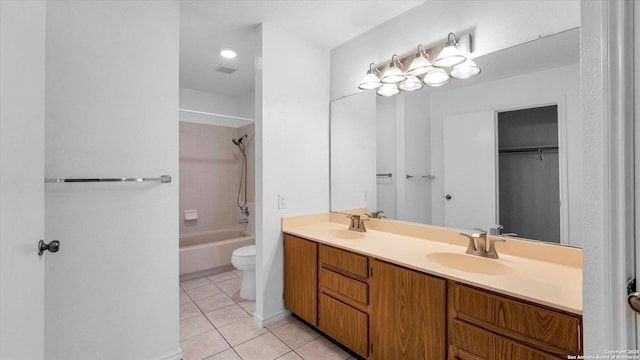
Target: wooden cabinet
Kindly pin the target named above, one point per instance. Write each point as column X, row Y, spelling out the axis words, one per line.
column 493, row 326
column 301, row 278
column 407, row 314
column 344, row 297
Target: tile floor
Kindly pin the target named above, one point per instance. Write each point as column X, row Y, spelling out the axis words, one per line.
column 216, row 324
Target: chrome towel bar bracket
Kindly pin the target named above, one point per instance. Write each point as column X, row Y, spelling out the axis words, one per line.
column 165, row 179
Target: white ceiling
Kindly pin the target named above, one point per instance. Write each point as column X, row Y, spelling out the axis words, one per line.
column 208, row 25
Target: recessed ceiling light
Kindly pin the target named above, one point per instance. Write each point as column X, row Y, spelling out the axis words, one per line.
column 228, row 53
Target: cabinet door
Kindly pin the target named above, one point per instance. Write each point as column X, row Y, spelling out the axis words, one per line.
column 301, row 278
column 407, row 314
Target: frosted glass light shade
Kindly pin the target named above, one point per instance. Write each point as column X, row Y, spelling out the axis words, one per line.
column 412, row 83
column 370, row 81
column 388, row 90
column 449, row 56
column 393, row 74
column 436, row 77
column 466, row 70
column 420, row 65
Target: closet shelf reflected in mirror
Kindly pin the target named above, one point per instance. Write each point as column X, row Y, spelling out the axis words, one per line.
column 208, row 118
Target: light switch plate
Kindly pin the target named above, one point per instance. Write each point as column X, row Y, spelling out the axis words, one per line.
column 282, row 201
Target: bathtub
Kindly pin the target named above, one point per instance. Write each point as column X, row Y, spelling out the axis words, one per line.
column 208, row 253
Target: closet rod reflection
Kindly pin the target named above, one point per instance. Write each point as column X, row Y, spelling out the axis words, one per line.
column 163, row 179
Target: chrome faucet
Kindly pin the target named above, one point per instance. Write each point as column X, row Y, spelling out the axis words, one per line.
column 357, row 223
column 479, row 247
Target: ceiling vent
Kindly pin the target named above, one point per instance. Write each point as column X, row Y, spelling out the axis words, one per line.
column 225, row 69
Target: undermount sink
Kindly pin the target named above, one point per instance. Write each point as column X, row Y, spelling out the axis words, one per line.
column 345, row 234
column 469, row 263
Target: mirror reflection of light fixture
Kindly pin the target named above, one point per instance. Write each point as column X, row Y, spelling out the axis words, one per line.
column 450, row 55
column 436, row 77
column 420, row 64
column 393, row 74
column 466, row 70
column 453, row 61
column 388, row 90
column 412, row 83
column 371, row 80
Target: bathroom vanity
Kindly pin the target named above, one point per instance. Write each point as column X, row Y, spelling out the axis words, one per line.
column 409, row 291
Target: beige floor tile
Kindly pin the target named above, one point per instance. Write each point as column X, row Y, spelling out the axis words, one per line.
column 235, row 295
column 215, row 302
column 241, row 331
column 194, row 326
column 225, row 355
column 264, row 347
column 202, row 346
column 295, row 334
column 184, row 298
column 227, row 275
column 290, row 356
column 226, row 315
column 280, row 323
column 321, row 349
column 190, row 284
column 237, row 272
column 203, row 291
column 229, row 285
column 248, row 306
column 189, row 310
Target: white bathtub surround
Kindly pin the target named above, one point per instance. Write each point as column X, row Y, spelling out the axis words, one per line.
column 209, row 252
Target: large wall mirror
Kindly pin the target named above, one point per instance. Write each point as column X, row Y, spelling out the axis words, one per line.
column 502, row 148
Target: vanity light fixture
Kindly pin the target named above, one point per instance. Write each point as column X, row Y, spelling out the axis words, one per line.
column 466, row 70
column 450, row 55
column 372, row 79
column 421, row 64
column 453, row 61
column 393, row 74
column 388, row 90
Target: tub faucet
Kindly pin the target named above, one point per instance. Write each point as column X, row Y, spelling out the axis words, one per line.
column 376, row 214
column 479, row 247
column 357, row 223
column 243, row 221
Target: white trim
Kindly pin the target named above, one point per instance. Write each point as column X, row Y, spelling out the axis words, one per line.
column 608, row 194
column 636, row 12
column 173, row 356
column 271, row 319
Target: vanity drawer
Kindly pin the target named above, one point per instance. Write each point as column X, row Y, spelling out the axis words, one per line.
column 344, row 262
column 473, row 343
column 344, row 286
column 542, row 328
column 344, row 323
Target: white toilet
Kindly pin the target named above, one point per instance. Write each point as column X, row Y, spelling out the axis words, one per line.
column 244, row 259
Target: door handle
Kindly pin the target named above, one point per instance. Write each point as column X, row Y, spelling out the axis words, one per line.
column 633, row 297
column 448, row 197
column 53, row 246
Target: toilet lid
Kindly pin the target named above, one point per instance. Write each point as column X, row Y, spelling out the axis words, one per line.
column 245, row 251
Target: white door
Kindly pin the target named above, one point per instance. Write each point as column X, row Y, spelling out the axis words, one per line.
column 470, row 170
column 22, row 48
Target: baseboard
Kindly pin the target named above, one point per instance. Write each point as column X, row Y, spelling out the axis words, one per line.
column 173, row 356
column 207, row 272
column 264, row 322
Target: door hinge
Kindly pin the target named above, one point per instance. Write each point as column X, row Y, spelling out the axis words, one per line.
column 371, row 272
column 371, row 349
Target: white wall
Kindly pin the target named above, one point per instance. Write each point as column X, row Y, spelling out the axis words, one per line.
column 111, row 99
column 208, row 102
column 22, row 79
column 495, row 25
column 292, row 151
column 386, row 155
column 540, row 88
column 247, row 105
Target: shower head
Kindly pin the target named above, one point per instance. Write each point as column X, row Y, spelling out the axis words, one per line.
column 238, row 141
